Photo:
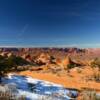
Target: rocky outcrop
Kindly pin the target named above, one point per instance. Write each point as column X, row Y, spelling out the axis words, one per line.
column 67, row 61
column 27, row 57
column 43, row 58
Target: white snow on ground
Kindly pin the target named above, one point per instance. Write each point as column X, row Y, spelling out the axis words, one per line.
column 34, row 89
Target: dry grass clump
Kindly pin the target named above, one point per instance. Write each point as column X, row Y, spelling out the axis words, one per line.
column 54, row 96
column 96, row 77
column 10, row 96
column 88, row 94
column 96, row 63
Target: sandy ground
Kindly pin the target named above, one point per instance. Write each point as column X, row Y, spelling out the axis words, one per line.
column 73, row 80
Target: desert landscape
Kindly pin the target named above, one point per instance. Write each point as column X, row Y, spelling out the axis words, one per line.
column 49, row 49
column 74, row 69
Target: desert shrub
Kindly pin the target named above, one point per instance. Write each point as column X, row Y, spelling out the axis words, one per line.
column 2, row 58
column 69, row 66
column 10, row 96
column 7, row 64
column 79, row 70
column 52, row 60
column 96, row 77
column 89, row 95
column 13, row 60
column 96, row 63
column 4, row 66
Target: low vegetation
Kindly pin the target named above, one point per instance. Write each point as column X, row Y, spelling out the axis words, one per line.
column 11, row 63
column 96, row 77
column 69, row 66
column 10, row 96
column 89, row 95
column 96, row 63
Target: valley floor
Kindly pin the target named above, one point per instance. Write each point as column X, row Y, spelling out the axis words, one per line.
column 73, row 80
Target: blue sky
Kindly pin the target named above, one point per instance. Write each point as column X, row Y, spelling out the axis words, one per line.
column 50, row 23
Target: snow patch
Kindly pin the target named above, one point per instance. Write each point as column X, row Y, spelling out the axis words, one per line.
column 34, row 89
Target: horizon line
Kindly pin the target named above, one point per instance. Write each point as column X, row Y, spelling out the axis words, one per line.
column 19, row 46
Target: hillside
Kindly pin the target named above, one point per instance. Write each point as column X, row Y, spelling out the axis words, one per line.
column 73, row 68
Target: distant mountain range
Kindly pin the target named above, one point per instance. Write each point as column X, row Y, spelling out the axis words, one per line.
column 56, row 52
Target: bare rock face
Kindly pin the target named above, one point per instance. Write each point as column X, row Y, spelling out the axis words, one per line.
column 4, row 54
column 10, row 54
column 27, row 57
column 93, row 52
column 66, row 61
column 43, row 58
column 58, row 61
column 63, row 63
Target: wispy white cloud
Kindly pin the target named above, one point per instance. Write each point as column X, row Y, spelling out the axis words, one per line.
column 21, row 33
column 24, row 28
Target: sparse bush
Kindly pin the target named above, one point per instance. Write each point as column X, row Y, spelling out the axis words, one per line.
column 96, row 63
column 52, row 59
column 12, row 62
column 96, row 77
column 79, row 70
column 10, row 96
column 89, row 95
column 69, row 66
column 16, row 60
